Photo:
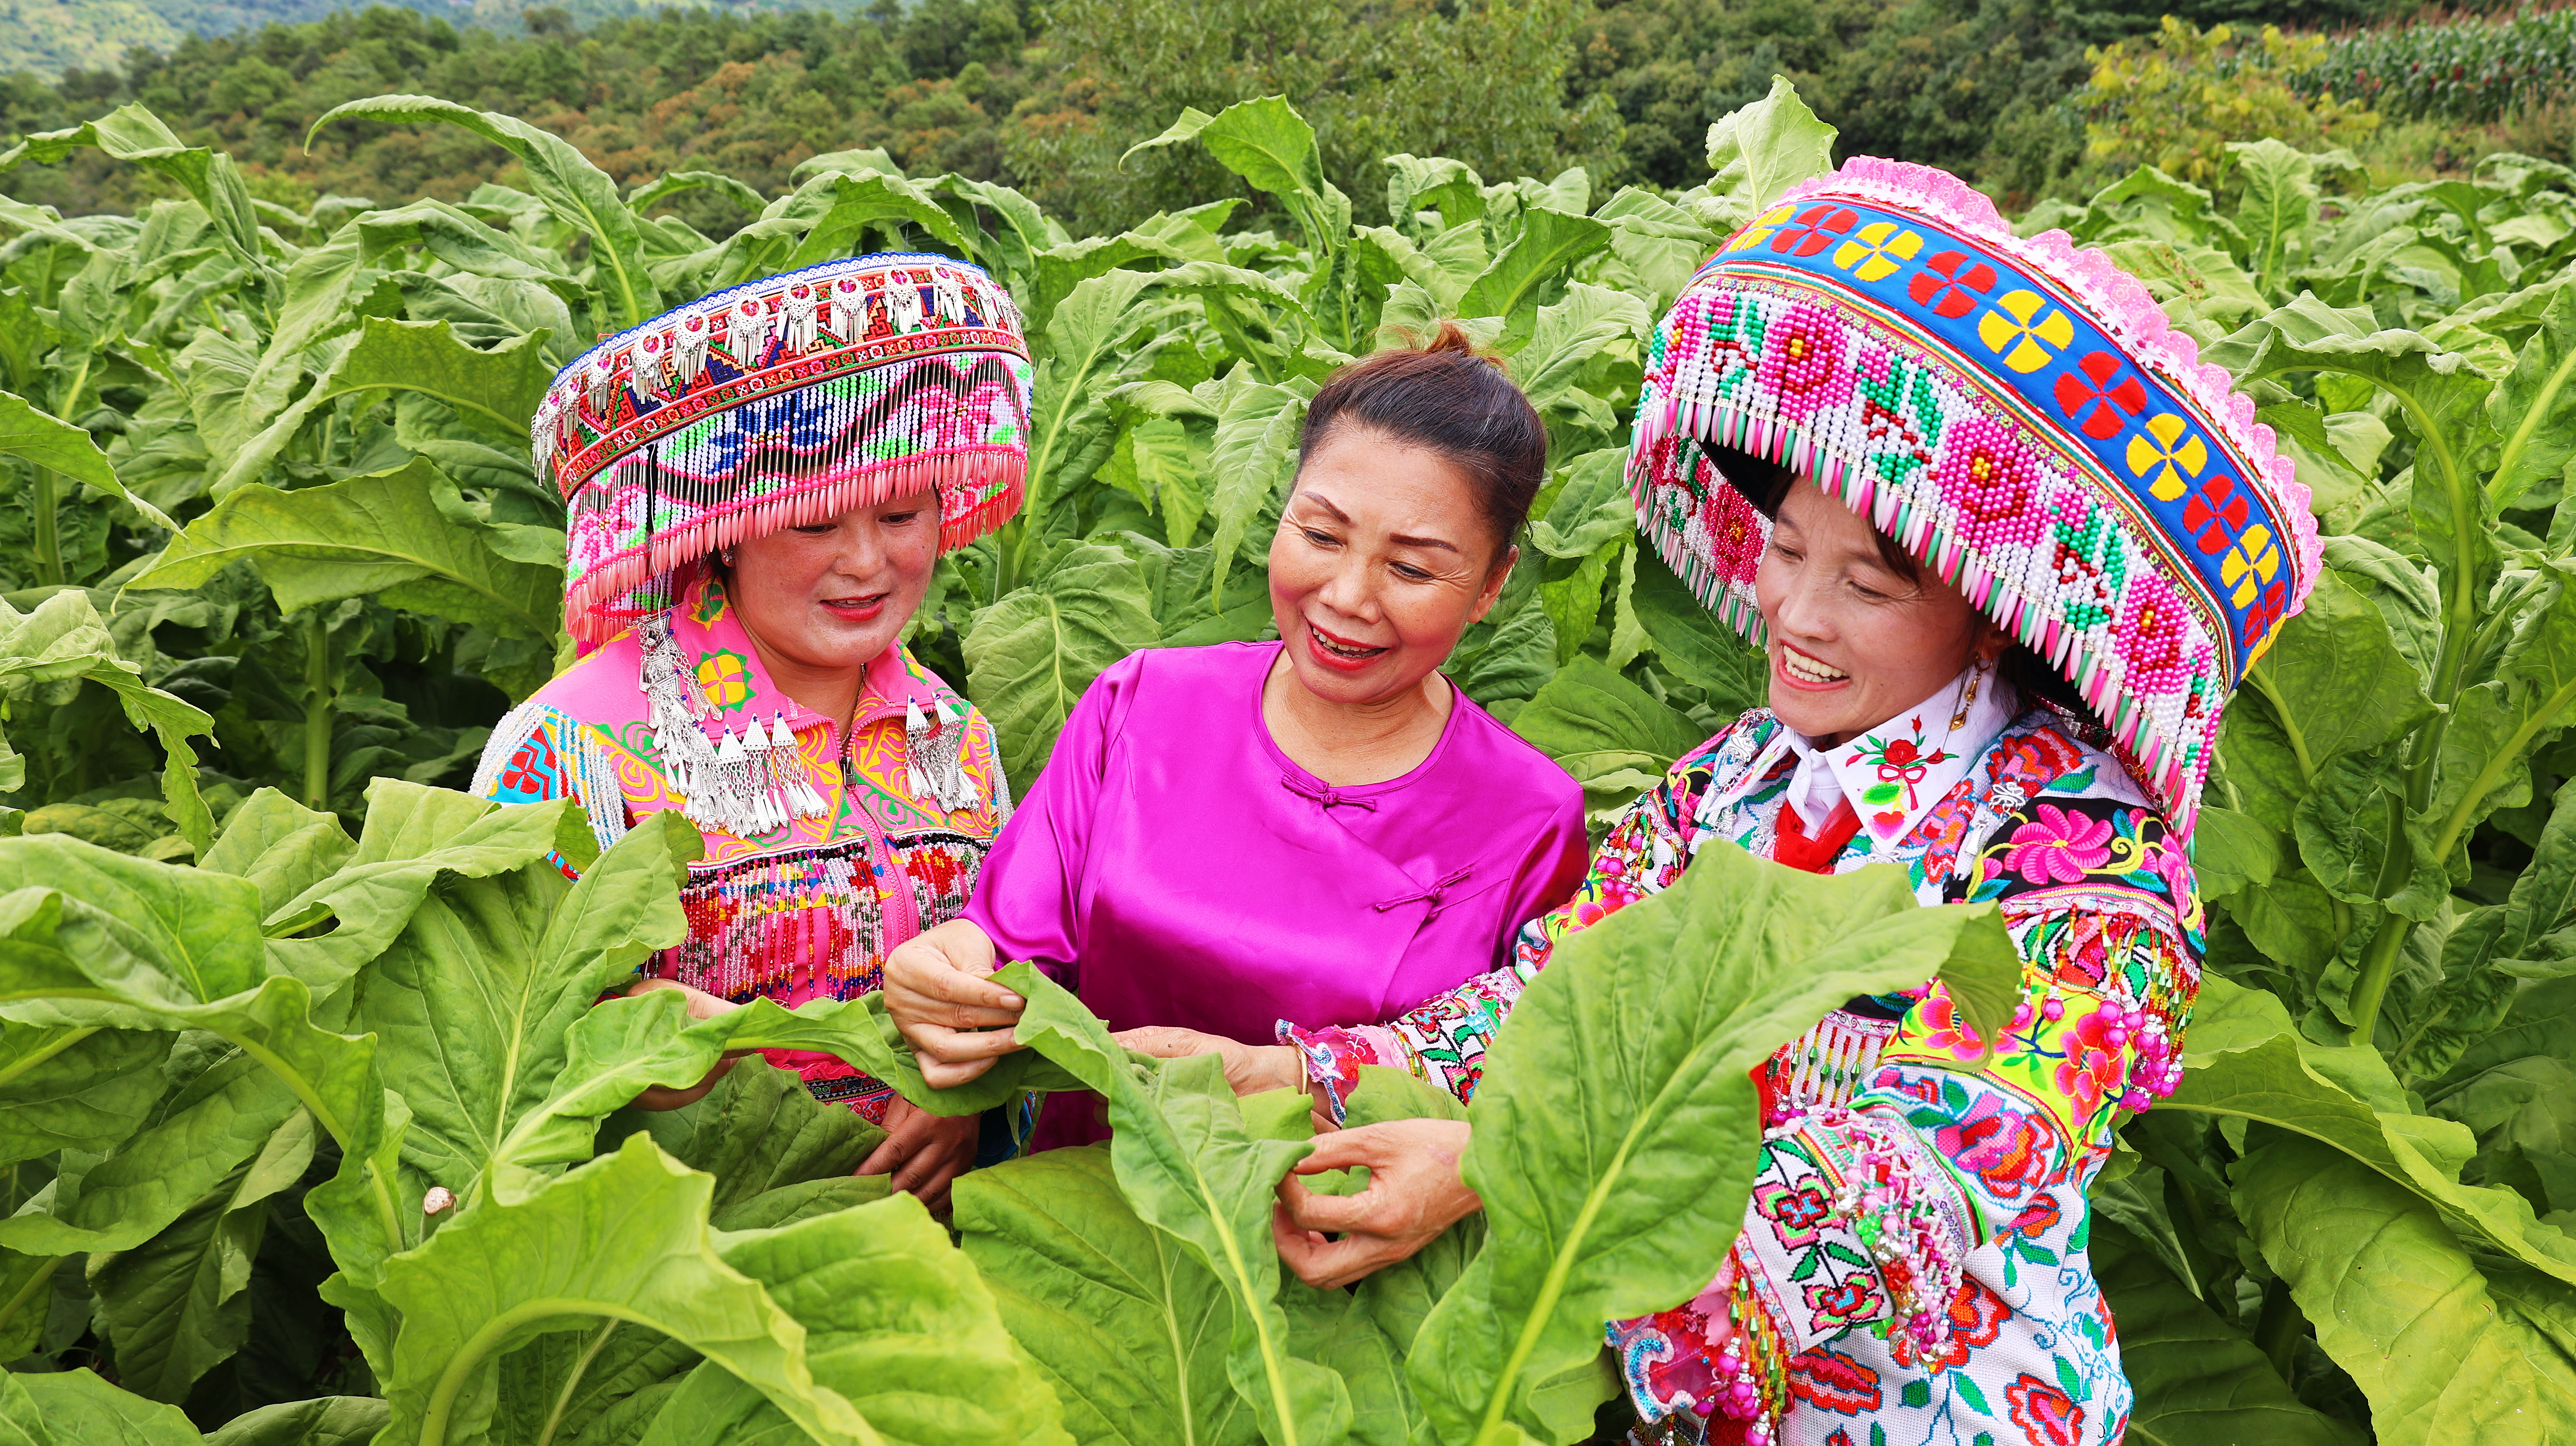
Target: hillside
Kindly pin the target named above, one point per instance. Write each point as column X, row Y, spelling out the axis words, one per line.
column 48, row 37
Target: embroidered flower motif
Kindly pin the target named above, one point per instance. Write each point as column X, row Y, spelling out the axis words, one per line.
column 532, row 770
column 2154, row 636
column 1831, row 1381
column 1845, row 1302
column 725, row 676
column 1795, row 1212
column 1801, row 367
column 2037, row 1218
column 2093, row 1071
column 1901, row 763
column 1975, row 1319
column 2046, row 1415
column 2006, row 1149
column 1992, row 483
column 2058, row 846
column 1935, row 1024
column 1731, row 532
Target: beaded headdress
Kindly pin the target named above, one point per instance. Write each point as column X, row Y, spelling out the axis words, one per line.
column 779, row 403
column 2016, row 413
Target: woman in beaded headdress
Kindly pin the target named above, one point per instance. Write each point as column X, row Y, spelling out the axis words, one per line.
column 2009, row 547
column 758, row 486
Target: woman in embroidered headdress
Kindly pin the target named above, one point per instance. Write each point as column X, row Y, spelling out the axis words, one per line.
column 1322, row 828
column 2009, row 547
column 758, row 487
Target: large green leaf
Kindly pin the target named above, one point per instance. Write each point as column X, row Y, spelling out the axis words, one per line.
column 1254, row 460
column 77, row 1408
column 2199, row 1381
column 2244, row 1060
column 896, row 1319
column 136, row 136
column 403, row 537
column 1616, row 1127
column 58, row 445
column 473, row 1005
column 324, row 1421
column 1030, row 656
column 1597, row 724
column 175, row 1306
column 65, row 639
column 1272, row 147
column 413, row 836
column 622, row 1238
column 71, row 1087
column 1131, row 1329
column 494, row 392
column 2447, row 1345
column 1551, row 242
column 1762, row 150
column 2534, row 408
column 1192, row 1168
column 573, row 190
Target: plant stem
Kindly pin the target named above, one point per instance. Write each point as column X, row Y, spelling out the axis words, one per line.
column 49, row 543
column 2277, row 1330
column 34, row 1287
column 319, row 699
column 33, row 1058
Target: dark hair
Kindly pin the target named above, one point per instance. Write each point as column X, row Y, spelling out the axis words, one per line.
column 1765, row 484
column 1450, row 399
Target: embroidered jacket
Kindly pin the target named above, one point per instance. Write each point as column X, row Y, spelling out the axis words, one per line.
column 810, row 909
column 2102, row 906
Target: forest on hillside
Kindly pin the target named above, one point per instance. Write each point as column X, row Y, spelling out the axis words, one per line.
column 1049, row 98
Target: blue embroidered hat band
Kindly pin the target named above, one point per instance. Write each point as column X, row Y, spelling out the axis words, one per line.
column 2016, row 413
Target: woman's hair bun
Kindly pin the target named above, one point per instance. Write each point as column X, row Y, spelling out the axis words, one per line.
column 1448, row 396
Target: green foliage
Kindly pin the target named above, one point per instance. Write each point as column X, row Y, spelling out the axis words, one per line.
column 2178, row 101
column 2468, row 68
column 259, row 1064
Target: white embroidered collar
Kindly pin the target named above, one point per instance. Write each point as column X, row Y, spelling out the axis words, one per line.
column 1894, row 773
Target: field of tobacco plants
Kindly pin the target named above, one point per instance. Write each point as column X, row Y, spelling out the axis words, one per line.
column 313, row 1136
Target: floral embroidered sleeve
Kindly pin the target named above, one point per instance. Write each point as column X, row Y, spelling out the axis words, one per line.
column 1862, row 1216
column 1443, row 1040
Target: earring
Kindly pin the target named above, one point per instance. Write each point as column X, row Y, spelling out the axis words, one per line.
column 725, row 556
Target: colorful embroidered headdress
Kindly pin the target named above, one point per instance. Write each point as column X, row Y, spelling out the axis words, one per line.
column 778, row 403
column 2016, row 413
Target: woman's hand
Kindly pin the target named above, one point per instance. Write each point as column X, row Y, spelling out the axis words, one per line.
column 702, row 1005
column 938, row 989
column 1249, row 1068
column 923, row 1151
column 1414, row 1193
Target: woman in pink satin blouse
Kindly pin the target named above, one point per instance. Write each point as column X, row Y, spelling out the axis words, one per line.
column 1236, row 844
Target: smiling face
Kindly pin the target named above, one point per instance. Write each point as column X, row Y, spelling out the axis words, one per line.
column 1382, row 559
column 823, row 601
column 1853, row 641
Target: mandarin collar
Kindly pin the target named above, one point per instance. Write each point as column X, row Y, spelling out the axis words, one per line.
column 1895, row 772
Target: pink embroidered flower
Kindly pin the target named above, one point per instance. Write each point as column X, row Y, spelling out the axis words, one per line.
column 1801, row 366
column 2008, row 1150
column 1731, row 532
column 2046, row 1415
column 1935, row 1024
column 1794, row 1212
column 2174, row 867
column 2154, row 636
column 2093, row 1070
column 1844, row 1302
column 1992, row 483
column 2059, row 846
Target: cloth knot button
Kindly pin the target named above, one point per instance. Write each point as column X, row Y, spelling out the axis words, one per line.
column 1324, row 794
column 1431, row 895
